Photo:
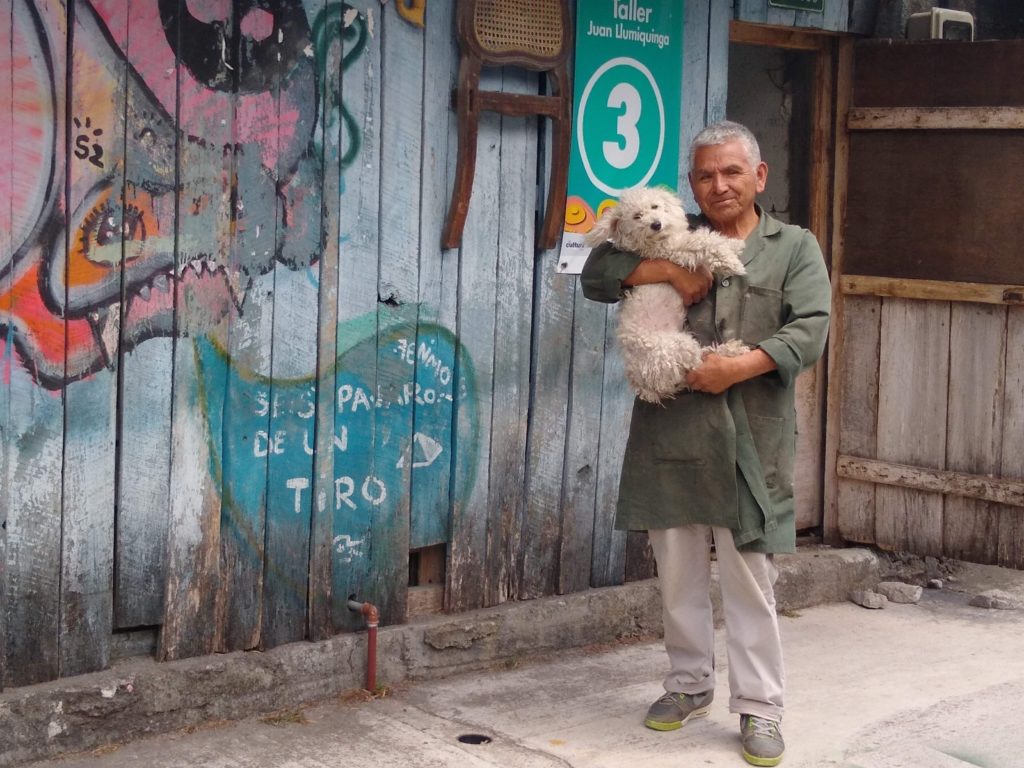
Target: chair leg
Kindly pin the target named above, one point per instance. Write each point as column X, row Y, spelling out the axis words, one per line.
column 465, row 164
column 561, row 136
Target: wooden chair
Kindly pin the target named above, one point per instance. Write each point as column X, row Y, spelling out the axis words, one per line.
column 536, row 35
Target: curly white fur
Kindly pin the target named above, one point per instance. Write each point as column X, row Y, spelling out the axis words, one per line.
column 657, row 348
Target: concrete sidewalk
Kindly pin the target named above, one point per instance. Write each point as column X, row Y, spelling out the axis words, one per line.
column 935, row 684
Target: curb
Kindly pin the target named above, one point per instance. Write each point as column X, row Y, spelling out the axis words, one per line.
column 140, row 697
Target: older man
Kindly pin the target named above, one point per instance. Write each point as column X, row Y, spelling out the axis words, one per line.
column 716, row 462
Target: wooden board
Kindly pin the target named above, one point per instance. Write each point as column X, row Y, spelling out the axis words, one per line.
column 34, row 342
column 477, row 286
column 510, row 412
column 356, row 355
column 912, row 403
column 857, row 393
column 582, row 445
column 429, row 522
column 329, row 51
column 1010, row 548
column 975, row 427
column 398, row 289
column 941, row 73
column 931, row 240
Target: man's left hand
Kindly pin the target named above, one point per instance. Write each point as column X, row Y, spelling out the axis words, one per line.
column 716, row 374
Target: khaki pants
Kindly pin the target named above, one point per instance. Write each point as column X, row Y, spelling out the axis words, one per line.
column 753, row 646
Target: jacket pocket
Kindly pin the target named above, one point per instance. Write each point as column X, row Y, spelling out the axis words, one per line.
column 760, row 313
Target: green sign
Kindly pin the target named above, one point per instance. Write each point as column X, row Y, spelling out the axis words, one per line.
column 627, row 89
column 799, row 5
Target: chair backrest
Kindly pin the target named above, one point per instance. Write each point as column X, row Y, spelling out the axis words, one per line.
column 533, row 34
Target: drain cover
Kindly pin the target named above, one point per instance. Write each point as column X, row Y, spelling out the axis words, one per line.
column 474, row 738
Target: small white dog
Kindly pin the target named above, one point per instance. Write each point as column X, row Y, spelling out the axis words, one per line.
column 657, row 348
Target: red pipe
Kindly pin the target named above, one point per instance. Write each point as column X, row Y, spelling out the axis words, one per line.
column 369, row 610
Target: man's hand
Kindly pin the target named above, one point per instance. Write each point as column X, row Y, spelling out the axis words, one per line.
column 716, row 374
column 692, row 286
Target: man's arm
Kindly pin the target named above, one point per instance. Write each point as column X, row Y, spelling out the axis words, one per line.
column 716, row 374
column 692, row 286
column 608, row 271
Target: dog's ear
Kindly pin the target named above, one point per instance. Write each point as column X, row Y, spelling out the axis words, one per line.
column 605, row 229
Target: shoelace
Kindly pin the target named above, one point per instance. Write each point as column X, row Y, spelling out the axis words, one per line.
column 762, row 727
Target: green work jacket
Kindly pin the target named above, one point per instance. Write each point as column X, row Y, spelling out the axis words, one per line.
column 727, row 460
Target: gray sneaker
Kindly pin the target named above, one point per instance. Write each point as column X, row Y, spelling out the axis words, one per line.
column 674, row 710
column 762, row 740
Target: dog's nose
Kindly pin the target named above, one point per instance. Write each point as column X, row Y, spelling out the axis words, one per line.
column 656, row 225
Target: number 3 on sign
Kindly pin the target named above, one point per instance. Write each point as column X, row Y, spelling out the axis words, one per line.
column 622, row 154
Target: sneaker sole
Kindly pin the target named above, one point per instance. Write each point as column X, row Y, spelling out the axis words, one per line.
column 766, row 762
column 675, row 725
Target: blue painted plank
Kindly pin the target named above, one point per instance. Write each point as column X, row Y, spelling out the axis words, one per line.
column 293, row 352
column 327, row 42
column 355, row 378
column 438, row 274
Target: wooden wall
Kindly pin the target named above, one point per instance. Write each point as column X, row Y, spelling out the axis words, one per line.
column 926, row 412
column 241, row 381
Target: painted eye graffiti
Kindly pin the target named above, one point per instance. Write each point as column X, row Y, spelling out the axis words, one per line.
column 106, row 225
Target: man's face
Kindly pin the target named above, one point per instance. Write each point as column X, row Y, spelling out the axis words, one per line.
column 725, row 184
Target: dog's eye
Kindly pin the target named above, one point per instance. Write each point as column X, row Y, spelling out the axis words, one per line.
column 654, row 207
column 637, row 216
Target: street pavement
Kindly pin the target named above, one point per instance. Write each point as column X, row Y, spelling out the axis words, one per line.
column 932, row 685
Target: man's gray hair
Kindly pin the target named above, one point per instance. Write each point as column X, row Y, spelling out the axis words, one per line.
column 723, row 131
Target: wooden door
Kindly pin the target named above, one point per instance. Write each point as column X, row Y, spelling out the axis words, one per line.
column 925, row 440
column 794, row 68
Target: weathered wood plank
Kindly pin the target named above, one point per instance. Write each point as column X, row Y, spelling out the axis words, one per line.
column 398, row 287
column 144, row 386
column 744, row 33
column 358, row 267
column 838, row 330
column 37, row 78
column 328, row 51
column 582, row 445
column 96, row 192
column 293, row 352
column 935, row 118
column 975, row 425
column 438, row 277
column 290, row 465
column 953, row 74
column 511, row 401
column 932, row 290
column 856, row 391
column 754, row 11
column 1010, row 550
column 609, row 549
column 912, row 400
column 201, row 605
column 718, row 62
column 546, row 447
column 693, row 99
column 889, row 167
column 960, row 484
column 477, row 297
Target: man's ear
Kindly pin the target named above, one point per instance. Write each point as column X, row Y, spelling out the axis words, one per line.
column 762, row 175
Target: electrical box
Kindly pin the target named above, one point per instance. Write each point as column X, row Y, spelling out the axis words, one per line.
column 941, row 24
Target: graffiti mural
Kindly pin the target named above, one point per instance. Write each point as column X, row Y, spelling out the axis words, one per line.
column 164, row 164
column 115, row 272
